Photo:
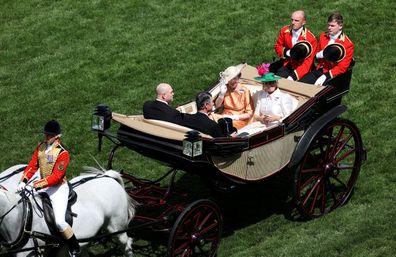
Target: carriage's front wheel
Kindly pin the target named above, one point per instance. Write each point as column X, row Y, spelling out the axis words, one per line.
column 197, row 230
column 325, row 178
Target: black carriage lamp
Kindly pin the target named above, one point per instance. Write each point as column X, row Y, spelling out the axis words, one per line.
column 192, row 144
column 101, row 119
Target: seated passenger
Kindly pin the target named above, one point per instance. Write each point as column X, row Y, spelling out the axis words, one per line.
column 272, row 105
column 200, row 120
column 159, row 109
column 235, row 98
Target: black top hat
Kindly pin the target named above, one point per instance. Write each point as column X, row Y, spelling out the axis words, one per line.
column 226, row 126
column 301, row 50
column 334, row 52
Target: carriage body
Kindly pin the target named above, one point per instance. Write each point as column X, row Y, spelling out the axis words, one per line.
column 251, row 158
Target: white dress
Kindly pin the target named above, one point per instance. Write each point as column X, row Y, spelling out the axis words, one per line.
column 277, row 103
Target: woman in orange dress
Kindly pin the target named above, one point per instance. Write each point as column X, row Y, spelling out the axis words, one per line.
column 235, row 98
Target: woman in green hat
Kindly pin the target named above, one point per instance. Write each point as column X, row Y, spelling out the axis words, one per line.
column 272, row 105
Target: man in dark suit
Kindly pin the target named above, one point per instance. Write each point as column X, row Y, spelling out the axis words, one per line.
column 200, row 120
column 159, row 109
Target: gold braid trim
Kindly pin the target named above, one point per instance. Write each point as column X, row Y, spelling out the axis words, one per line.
column 45, row 166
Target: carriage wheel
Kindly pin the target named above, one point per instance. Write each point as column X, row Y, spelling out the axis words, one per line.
column 197, row 230
column 325, row 178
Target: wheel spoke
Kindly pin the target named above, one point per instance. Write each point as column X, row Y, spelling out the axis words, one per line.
column 328, row 144
column 207, row 229
column 337, row 140
column 345, row 155
column 341, row 166
column 339, row 181
column 315, row 197
column 323, row 206
column 309, row 181
column 309, row 193
column 204, row 220
column 182, row 249
column 311, row 170
column 342, row 146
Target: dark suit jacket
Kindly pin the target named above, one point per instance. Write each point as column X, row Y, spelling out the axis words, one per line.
column 201, row 122
column 158, row 110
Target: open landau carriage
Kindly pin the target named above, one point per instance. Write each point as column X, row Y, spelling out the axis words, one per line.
column 323, row 151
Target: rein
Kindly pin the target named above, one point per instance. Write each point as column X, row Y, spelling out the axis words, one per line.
column 85, row 180
column 2, row 179
column 11, row 174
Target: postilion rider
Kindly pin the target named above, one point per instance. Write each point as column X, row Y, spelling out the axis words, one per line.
column 52, row 159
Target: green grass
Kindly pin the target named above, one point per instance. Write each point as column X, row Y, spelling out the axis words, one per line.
column 58, row 59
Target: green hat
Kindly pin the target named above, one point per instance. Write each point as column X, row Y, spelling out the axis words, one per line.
column 268, row 77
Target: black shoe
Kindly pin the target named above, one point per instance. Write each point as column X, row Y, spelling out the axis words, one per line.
column 74, row 247
column 75, row 253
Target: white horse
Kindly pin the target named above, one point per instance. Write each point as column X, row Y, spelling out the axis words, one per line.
column 101, row 203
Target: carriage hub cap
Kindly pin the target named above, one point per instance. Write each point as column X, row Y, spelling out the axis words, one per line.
column 329, row 167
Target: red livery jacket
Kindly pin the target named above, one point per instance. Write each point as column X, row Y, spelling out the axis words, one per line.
column 332, row 69
column 284, row 43
column 52, row 165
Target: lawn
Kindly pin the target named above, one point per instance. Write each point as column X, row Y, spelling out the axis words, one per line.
column 59, row 59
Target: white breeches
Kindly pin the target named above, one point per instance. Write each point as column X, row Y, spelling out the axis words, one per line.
column 59, row 196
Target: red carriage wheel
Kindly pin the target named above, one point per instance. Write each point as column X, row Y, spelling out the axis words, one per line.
column 197, row 230
column 325, row 178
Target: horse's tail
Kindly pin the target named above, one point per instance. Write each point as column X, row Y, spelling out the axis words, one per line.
column 132, row 203
column 115, row 175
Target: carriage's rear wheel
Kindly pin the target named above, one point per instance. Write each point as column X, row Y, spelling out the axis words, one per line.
column 197, row 230
column 325, row 178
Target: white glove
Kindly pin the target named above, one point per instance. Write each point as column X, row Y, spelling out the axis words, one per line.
column 319, row 55
column 233, row 117
column 290, row 78
column 29, row 188
column 223, row 89
column 287, row 54
column 21, row 186
column 320, row 80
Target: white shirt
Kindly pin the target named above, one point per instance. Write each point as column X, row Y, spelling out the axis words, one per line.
column 295, row 35
column 277, row 103
column 333, row 38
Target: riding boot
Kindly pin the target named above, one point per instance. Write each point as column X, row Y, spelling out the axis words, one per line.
column 74, row 247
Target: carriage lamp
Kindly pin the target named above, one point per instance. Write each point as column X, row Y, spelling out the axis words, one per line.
column 101, row 118
column 97, row 122
column 192, row 145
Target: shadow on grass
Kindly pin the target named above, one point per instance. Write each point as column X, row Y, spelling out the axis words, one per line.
column 248, row 204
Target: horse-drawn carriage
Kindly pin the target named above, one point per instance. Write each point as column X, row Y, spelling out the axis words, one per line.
column 322, row 150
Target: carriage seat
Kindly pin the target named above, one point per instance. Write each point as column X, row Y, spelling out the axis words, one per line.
column 157, row 128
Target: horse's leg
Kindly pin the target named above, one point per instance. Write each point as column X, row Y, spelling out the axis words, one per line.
column 118, row 224
column 127, row 241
